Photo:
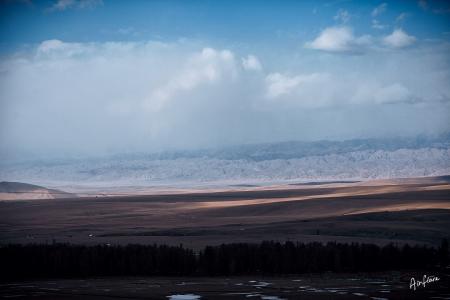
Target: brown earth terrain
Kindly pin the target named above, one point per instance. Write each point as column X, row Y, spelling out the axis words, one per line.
column 415, row 211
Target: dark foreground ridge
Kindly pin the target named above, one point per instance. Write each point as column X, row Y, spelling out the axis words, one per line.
column 266, row 258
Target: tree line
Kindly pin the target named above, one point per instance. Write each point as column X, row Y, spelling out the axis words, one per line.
column 266, row 258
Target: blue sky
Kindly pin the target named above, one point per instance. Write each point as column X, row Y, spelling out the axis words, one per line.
column 93, row 76
column 245, row 22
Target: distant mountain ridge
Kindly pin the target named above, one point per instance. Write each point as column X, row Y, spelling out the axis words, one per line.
column 25, row 191
column 299, row 149
column 302, row 161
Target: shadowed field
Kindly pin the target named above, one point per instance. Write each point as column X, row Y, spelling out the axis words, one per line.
column 409, row 210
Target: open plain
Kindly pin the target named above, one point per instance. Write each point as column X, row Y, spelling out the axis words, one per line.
column 414, row 211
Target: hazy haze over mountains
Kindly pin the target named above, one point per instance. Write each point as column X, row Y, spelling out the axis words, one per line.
column 253, row 163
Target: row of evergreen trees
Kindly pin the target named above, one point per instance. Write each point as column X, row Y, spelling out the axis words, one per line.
column 266, row 258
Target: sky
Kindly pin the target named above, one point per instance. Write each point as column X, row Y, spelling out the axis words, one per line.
column 94, row 77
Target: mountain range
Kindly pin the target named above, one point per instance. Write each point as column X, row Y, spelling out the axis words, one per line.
column 357, row 159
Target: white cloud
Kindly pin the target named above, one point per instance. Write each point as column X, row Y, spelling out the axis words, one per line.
column 401, row 17
column 116, row 96
column 342, row 40
column 61, row 5
column 304, row 91
column 59, row 48
column 339, row 39
column 377, row 25
column 279, row 84
column 202, row 68
column 379, row 10
column 50, row 45
column 251, row 62
column 399, row 39
column 342, row 15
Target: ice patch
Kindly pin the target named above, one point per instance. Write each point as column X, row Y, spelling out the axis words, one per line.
column 184, row 297
column 271, row 298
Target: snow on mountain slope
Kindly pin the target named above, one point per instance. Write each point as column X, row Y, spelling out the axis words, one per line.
column 357, row 159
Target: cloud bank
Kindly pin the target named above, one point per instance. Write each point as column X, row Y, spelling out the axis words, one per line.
column 93, row 98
